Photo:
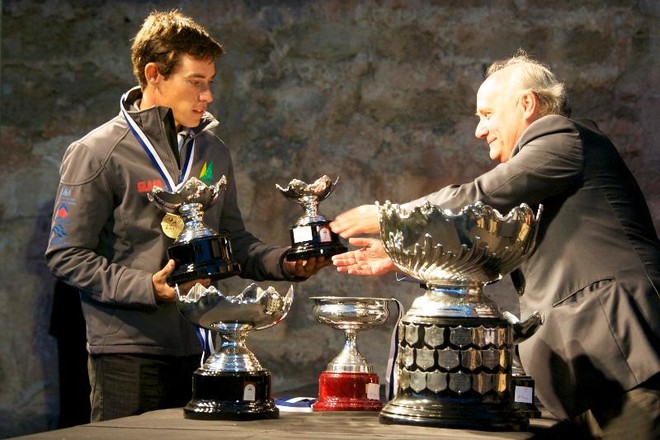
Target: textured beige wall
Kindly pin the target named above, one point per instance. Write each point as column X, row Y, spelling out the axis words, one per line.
column 378, row 93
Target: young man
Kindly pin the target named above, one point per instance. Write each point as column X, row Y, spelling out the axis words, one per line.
column 106, row 236
column 595, row 271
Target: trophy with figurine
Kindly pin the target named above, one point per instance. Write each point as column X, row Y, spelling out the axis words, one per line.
column 311, row 235
column 199, row 251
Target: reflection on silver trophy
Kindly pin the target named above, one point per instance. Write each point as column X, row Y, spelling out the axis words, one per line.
column 349, row 382
column 311, row 235
column 455, row 348
column 232, row 384
column 199, row 251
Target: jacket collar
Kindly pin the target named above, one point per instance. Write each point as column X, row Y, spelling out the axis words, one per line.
column 157, row 122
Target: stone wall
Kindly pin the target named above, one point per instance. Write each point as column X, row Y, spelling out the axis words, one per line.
column 378, row 93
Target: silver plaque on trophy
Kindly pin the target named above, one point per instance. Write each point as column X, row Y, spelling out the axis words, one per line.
column 232, row 384
column 311, row 235
column 198, row 250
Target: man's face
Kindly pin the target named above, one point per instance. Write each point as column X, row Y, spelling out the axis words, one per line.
column 187, row 91
column 501, row 118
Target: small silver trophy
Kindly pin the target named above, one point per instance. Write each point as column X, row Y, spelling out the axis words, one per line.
column 311, row 235
column 232, row 384
column 199, row 251
column 349, row 382
column 455, row 348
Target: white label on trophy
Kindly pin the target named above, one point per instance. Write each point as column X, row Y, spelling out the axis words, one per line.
column 250, row 393
column 373, row 391
column 302, row 234
column 523, row 394
column 324, row 234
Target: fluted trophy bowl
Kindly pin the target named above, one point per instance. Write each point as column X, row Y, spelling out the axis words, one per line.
column 475, row 245
column 458, row 252
column 455, row 349
column 232, row 384
column 309, row 195
column 192, row 190
column 233, row 316
column 189, row 201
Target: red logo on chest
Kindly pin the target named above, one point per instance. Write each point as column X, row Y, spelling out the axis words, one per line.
column 144, row 186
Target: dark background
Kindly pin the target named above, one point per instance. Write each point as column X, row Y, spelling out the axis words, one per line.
column 378, row 93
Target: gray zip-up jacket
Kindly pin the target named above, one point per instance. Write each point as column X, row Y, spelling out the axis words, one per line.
column 106, row 237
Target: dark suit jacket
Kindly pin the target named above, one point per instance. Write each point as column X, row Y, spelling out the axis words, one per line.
column 595, row 271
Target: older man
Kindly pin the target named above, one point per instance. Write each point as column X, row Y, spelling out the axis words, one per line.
column 595, row 271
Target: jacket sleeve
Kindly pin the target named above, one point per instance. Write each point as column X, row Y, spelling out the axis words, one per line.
column 82, row 220
column 547, row 161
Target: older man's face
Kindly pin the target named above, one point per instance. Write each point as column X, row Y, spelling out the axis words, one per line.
column 501, row 115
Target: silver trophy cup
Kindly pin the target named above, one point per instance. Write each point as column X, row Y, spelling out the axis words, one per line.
column 455, row 348
column 232, row 384
column 198, row 250
column 311, row 235
column 349, row 382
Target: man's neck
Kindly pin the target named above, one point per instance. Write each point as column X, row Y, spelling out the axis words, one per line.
column 150, row 99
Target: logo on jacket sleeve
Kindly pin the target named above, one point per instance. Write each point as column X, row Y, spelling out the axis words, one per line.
column 59, row 235
column 62, row 211
column 206, row 175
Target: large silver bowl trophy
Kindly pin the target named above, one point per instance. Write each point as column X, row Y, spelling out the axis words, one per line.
column 311, row 235
column 349, row 382
column 232, row 384
column 455, row 348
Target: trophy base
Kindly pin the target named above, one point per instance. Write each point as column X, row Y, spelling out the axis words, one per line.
column 479, row 416
column 348, row 392
column 231, row 396
column 523, row 395
column 206, row 257
column 314, row 240
column 463, row 382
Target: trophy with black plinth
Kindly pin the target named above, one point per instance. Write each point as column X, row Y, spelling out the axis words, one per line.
column 198, row 251
column 232, row 384
column 349, row 382
column 455, row 350
column 311, row 235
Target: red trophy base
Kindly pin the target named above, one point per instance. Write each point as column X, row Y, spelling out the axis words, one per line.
column 348, row 392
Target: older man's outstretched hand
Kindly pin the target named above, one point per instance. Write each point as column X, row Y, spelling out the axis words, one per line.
column 369, row 260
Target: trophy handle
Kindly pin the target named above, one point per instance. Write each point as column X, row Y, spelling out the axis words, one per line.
column 523, row 330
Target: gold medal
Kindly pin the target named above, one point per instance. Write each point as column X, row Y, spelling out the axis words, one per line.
column 172, row 225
